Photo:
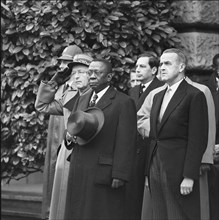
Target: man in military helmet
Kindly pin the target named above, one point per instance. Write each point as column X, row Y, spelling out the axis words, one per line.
column 55, row 132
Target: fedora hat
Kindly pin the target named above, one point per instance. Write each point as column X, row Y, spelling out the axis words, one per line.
column 85, row 125
column 69, row 52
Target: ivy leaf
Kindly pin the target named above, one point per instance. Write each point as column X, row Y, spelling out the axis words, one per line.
column 45, row 33
column 24, row 10
column 152, row 11
column 21, row 154
column 6, row 159
column 129, row 60
column 29, row 27
column 10, row 31
column 78, row 30
column 156, row 38
column 15, row 160
column 17, row 49
column 113, row 18
column 26, row 52
column 123, row 44
column 100, row 37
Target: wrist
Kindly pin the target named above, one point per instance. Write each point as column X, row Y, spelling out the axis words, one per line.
column 53, row 84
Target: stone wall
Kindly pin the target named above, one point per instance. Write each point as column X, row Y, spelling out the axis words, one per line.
column 197, row 23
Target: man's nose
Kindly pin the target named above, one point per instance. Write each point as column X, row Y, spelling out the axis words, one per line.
column 92, row 76
column 137, row 69
column 162, row 67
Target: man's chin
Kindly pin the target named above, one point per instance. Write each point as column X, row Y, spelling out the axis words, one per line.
column 93, row 85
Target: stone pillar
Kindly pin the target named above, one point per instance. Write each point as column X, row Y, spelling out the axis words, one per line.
column 197, row 23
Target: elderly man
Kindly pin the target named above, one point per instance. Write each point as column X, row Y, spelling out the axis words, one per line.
column 47, row 103
column 100, row 168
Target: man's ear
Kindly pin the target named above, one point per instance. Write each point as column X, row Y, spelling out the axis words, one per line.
column 109, row 77
column 182, row 67
column 154, row 70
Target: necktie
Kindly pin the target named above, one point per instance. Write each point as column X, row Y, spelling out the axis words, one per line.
column 93, row 101
column 141, row 90
column 65, row 87
column 165, row 102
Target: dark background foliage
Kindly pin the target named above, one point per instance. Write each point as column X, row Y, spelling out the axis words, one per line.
column 34, row 33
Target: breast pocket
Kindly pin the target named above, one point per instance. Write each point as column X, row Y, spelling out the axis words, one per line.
column 103, row 174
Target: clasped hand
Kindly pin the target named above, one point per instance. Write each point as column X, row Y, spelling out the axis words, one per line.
column 116, row 183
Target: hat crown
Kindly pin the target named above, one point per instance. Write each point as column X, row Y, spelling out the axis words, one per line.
column 83, row 59
column 69, row 52
column 85, row 125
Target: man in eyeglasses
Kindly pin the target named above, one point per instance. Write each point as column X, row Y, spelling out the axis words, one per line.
column 46, row 102
column 100, row 168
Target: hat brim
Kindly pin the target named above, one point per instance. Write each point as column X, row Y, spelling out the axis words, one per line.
column 78, row 63
column 65, row 58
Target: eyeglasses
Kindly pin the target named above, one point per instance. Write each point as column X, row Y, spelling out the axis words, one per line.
column 79, row 72
column 95, row 72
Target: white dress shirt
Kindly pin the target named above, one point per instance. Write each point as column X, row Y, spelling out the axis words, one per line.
column 167, row 97
column 99, row 94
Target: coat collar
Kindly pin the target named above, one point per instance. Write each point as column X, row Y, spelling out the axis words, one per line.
column 154, row 84
column 107, row 98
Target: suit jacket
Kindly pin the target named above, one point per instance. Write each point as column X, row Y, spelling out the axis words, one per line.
column 135, row 188
column 134, row 92
column 180, row 139
column 109, row 155
column 143, row 117
column 211, row 83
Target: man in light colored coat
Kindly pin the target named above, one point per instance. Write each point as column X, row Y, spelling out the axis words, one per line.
column 47, row 103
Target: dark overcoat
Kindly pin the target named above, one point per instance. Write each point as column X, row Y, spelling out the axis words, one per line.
column 135, row 187
column 180, row 139
column 109, row 155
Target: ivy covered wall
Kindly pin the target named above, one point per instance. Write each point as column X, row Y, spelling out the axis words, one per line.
column 34, row 33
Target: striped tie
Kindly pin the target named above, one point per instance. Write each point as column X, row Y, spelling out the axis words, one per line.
column 93, row 101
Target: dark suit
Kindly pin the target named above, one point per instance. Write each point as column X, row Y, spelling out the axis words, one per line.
column 211, row 83
column 135, row 188
column 213, row 175
column 177, row 144
column 109, row 155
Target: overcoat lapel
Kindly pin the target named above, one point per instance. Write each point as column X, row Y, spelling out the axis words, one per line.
column 174, row 102
column 84, row 100
column 135, row 94
column 106, row 99
column 70, row 103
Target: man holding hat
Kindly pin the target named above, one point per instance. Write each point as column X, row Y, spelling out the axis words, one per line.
column 47, row 102
column 103, row 144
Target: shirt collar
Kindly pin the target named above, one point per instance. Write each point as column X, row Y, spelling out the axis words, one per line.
column 100, row 94
column 146, row 85
column 174, row 86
